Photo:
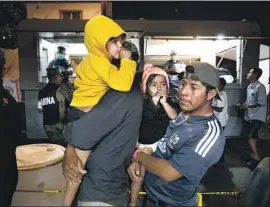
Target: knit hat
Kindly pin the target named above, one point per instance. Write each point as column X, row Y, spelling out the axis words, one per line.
column 149, row 70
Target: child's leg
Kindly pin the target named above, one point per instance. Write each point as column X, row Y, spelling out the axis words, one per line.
column 136, row 187
column 72, row 189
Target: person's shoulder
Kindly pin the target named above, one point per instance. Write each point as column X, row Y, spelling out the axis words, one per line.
column 67, row 61
column 212, row 128
column 206, row 126
column 43, row 90
column 223, row 96
column 207, row 136
column 62, row 87
column 135, row 94
column 66, row 87
column 260, row 85
column 136, row 86
column 3, row 92
column 53, row 61
column 188, row 127
column 223, row 93
column 114, row 97
column 44, row 87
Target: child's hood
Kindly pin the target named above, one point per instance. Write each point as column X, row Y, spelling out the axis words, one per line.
column 97, row 32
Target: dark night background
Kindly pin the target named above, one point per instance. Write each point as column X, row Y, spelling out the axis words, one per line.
column 258, row 11
column 11, row 13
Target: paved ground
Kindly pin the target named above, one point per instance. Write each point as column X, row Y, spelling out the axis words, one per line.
column 232, row 176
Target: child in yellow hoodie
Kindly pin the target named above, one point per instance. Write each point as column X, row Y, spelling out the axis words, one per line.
column 96, row 74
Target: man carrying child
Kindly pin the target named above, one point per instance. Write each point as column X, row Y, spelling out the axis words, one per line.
column 104, row 118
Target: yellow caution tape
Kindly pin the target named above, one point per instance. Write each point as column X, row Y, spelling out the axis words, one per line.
column 220, row 193
column 200, row 200
column 206, row 193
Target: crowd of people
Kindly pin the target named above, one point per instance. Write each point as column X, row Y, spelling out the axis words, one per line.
column 124, row 133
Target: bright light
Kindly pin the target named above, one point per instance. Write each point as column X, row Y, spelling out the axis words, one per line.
column 220, row 37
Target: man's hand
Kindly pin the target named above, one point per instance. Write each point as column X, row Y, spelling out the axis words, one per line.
column 125, row 54
column 134, row 171
column 242, row 106
column 72, row 166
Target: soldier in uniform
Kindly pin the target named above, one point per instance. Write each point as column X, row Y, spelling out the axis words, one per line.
column 53, row 102
column 65, row 69
column 61, row 62
column 173, row 67
column 10, row 131
column 66, row 87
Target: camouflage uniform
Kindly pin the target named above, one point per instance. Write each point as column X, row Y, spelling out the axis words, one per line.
column 63, row 96
column 54, row 132
column 67, row 90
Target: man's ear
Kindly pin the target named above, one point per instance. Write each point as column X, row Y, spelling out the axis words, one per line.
column 211, row 94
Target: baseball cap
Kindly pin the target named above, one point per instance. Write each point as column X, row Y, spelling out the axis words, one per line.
column 204, row 72
column 133, row 49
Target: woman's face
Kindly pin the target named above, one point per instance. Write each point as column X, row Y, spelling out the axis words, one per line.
column 158, row 84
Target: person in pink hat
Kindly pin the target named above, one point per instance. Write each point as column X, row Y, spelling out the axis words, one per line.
column 158, row 110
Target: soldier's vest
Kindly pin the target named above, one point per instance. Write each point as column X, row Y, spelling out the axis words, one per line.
column 50, row 104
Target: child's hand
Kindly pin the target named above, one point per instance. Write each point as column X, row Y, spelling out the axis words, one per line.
column 125, row 54
column 243, row 106
column 134, row 171
column 163, row 96
column 155, row 99
column 132, row 204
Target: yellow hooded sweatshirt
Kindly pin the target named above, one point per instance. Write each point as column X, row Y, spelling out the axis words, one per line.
column 95, row 74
